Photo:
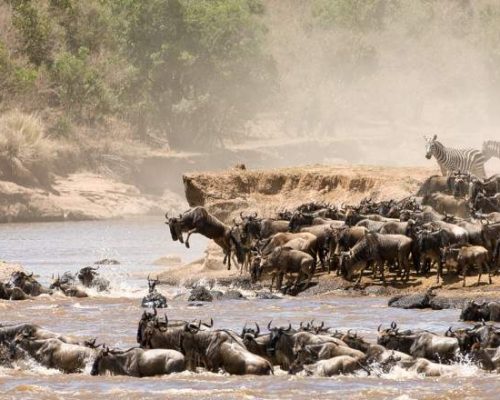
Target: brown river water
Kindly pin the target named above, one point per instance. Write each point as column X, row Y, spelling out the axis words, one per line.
column 57, row 247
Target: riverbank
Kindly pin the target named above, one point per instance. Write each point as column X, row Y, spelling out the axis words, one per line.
column 81, row 196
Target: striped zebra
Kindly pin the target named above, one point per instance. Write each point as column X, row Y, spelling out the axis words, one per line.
column 449, row 159
column 491, row 148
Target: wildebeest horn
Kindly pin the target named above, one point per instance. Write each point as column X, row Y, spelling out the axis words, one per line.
column 349, row 332
column 30, row 275
column 166, row 215
column 258, row 329
column 378, row 329
column 254, row 214
column 322, row 325
column 211, row 323
column 243, row 330
column 269, row 325
column 289, row 327
column 393, row 325
column 166, row 319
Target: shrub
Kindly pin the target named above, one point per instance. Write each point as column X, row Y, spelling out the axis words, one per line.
column 25, row 152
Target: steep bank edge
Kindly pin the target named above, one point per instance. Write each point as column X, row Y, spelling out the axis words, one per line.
column 227, row 192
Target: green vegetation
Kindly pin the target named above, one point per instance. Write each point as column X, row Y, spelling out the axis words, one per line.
column 194, row 73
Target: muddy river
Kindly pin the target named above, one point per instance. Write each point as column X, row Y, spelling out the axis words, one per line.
column 136, row 243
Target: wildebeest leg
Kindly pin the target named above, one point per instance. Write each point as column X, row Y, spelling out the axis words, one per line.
column 188, row 235
column 439, row 273
column 480, row 266
column 279, row 281
column 464, row 273
column 381, row 268
column 489, row 271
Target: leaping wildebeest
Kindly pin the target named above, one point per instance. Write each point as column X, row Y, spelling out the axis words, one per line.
column 199, row 220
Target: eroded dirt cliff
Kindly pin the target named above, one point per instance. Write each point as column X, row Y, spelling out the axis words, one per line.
column 227, row 192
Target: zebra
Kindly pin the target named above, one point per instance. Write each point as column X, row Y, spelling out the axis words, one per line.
column 491, row 148
column 449, row 159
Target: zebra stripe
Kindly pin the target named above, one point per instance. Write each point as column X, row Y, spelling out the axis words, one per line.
column 491, row 149
column 463, row 160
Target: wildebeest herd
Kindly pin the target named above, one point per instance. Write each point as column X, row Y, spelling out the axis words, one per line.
column 167, row 346
column 23, row 286
column 452, row 223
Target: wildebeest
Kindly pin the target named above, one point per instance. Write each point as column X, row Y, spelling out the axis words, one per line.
column 153, row 299
column 53, row 353
column 12, row 293
column 222, row 349
column 138, row 362
column 433, row 184
column 332, row 366
column 487, row 311
column 465, row 257
column 447, row 204
column 419, row 343
column 284, row 261
column 26, row 283
column 299, row 220
column 89, row 277
column 198, row 220
column 68, row 288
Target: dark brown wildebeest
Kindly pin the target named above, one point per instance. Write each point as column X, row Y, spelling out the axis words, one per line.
column 69, row 289
column 26, row 283
column 199, row 220
column 89, row 277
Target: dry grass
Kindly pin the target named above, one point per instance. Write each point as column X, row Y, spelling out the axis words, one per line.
column 25, row 152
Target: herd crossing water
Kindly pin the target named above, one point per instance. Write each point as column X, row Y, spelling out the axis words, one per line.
column 112, row 318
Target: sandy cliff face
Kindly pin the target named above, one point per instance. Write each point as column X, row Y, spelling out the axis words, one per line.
column 265, row 191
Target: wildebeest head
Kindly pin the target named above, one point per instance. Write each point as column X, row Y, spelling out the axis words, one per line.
column 255, row 270
column 19, row 279
column 249, row 227
column 27, row 283
column 240, row 252
column 430, row 146
column 466, row 338
column 175, row 225
column 143, row 322
column 101, row 361
column 298, row 220
column 303, row 356
column 152, row 284
column 86, row 275
column 389, row 337
column 275, row 334
column 254, row 333
column 345, row 263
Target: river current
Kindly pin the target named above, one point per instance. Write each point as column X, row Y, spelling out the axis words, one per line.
column 51, row 248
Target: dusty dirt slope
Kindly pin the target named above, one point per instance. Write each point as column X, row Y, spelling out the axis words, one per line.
column 227, row 192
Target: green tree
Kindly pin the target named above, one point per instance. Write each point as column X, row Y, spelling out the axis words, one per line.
column 199, row 68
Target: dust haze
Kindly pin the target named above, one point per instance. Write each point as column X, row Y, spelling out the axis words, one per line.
column 383, row 74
